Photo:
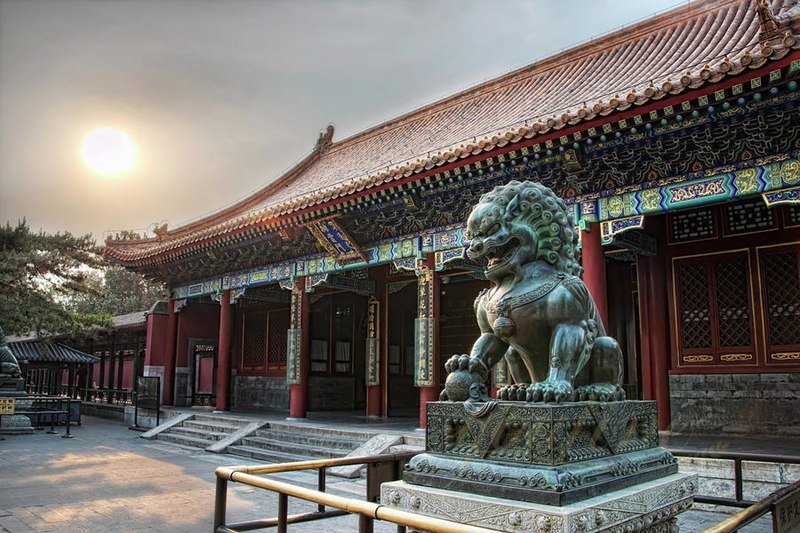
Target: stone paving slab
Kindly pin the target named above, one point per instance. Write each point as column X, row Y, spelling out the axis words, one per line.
column 107, row 479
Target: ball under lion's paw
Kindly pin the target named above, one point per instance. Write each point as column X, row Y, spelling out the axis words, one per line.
column 459, row 383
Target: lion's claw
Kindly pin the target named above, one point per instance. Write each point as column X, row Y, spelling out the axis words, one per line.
column 512, row 392
column 550, row 391
column 600, row 392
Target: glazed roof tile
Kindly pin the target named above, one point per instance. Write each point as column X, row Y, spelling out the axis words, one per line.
column 682, row 49
column 37, row 351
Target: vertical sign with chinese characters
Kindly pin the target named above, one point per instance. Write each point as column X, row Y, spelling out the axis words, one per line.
column 373, row 342
column 294, row 335
column 501, row 373
column 424, row 331
column 6, row 406
column 786, row 513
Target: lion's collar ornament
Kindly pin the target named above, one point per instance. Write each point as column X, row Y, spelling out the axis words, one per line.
column 538, row 314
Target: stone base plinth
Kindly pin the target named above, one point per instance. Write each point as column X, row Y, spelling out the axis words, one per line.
column 16, row 424
column 551, row 454
column 651, row 506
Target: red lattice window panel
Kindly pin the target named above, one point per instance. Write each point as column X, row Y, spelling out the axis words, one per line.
column 277, row 326
column 782, row 295
column 254, row 340
column 695, row 306
column 733, row 303
column 715, row 310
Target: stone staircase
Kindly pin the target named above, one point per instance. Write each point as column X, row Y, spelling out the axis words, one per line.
column 202, row 430
column 282, row 442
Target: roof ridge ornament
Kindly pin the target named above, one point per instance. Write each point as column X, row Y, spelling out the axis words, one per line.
column 325, row 140
column 768, row 27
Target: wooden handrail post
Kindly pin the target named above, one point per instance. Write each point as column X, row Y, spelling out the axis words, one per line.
column 220, row 502
column 283, row 510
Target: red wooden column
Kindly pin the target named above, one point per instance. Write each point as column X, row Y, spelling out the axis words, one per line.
column 170, row 341
column 224, row 353
column 654, row 319
column 594, row 268
column 301, row 314
column 375, row 392
column 429, row 309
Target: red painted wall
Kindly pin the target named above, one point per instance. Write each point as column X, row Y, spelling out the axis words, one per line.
column 127, row 374
column 200, row 321
column 155, row 342
column 206, row 378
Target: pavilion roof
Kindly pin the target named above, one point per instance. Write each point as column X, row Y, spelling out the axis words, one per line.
column 679, row 50
column 38, row 351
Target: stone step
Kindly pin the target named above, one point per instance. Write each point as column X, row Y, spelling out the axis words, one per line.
column 403, row 448
column 199, row 433
column 361, row 436
column 209, row 425
column 417, row 439
column 321, row 441
column 261, row 454
column 185, row 440
column 303, row 450
column 223, row 419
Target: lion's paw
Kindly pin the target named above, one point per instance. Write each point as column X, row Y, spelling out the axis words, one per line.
column 514, row 392
column 550, row 391
column 600, row 392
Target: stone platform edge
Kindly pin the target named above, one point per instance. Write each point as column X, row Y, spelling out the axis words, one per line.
column 650, row 507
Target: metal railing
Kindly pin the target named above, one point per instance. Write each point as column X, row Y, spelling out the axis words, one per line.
column 383, row 468
column 380, row 469
column 111, row 396
column 737, row 459
column 752, row 510
column 770, row 504
column 48, row 407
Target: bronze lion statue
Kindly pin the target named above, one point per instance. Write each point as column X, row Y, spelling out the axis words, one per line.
column 538, row 313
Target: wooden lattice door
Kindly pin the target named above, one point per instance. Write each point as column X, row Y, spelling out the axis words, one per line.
column 714, row 310
column 780, row 280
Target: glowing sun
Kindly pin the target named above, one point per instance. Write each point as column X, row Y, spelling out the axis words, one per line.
column 108, row 151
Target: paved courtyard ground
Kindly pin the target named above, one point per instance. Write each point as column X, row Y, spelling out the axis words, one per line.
column 108, row 480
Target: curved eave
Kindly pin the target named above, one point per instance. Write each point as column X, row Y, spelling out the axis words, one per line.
column 140, row 253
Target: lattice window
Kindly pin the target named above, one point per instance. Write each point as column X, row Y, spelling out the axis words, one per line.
column 253, row 345
column 695, row 306
column 733, row 303
column 693, row 225
column 794, row 215
column 278, row 325
column 748, row 216
column 342, row 357
column 783, row 297
column 319, row 355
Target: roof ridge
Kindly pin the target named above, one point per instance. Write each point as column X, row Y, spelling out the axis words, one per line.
column 549, row 62
column 249, row 203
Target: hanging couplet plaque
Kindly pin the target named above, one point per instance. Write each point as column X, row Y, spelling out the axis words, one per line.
column 501, row 373
column 373, row 342
column 294, row 336
column 424, row 330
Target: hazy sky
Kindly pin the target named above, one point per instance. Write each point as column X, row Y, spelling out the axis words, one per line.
column 221, row 97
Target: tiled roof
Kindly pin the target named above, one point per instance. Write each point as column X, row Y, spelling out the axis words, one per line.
column 35, row 351
column 139, row 318
column 680, row 50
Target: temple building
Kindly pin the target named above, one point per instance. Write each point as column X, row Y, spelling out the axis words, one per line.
column 344, row 283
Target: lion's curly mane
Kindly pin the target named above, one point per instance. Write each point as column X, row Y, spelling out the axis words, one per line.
column 545, row 214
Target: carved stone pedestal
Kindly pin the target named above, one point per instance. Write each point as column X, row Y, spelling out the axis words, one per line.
column 647, row 507
column 553, row 454
column 16, row 424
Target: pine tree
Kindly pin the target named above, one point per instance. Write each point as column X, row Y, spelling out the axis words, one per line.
column 117, row 291
column 39, row 273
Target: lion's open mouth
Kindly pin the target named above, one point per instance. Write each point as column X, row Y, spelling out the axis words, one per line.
column 500, row 254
